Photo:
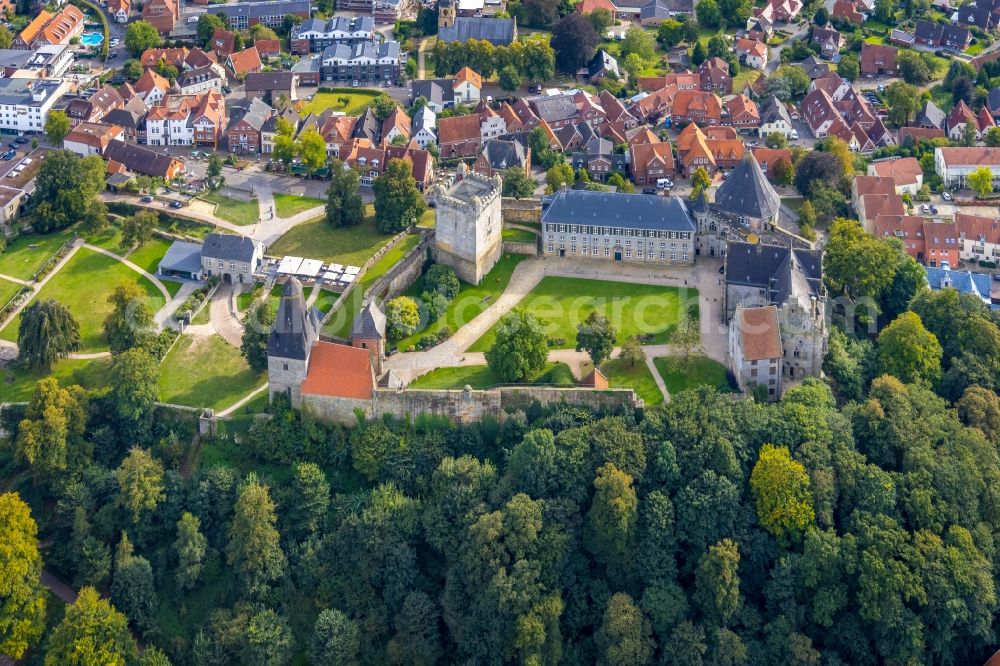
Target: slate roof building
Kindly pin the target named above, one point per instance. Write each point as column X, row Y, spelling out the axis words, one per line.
column 602, row 65
column 144, row 161
column 497, row 31
column 931, row 117
column 368, row 332
column 233, row 258
column 293, row 334
column 965, row 282
column 619, row 227
column 498, row 155
column 748, row 196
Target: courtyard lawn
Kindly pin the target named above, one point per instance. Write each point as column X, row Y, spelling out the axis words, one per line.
column 19, row 385
column 171, row 286
column 289, row 205
column 634, row 309
column 109, row 239
column 205, row 372
column 7, row 291
column 83, row 286
column 480, row 377
column 26, row 253
column 698, row 371
column 325, row 299
column 149, row 255
column 350, row 246
column 231, row 210
column 470, row 301
column 244, row 299
column 519, row 236
column 340, row 324
column 638, row 378
column 349, row 101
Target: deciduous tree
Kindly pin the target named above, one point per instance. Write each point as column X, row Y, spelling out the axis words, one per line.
column 402, row 317
column 57, row 126
column 137, row 229
column 909, row 351
column 311, row 149
column 574, row 40
column 398, row 203
column 632, row 352
column 50, row 438
column 133, row 381
column 517, row 184
column 254, row 550
column 597, row 337
column 780, row 487
column 140, row 483
column 344, row 206
column 256, row 331
column 141, row 36
column 189, row 547
column 981, row 181
column 717, row 582
column 624, row 635
column 47, row 332
column 130, row 323
column 91, row 633
column 22, row 597
column 520, row 349
column 335, row 640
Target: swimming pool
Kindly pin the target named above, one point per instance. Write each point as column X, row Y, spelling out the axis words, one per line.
column 91, row 39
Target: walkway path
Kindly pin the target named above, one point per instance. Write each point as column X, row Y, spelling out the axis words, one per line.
column 162, row 316
column 77, row 244
column 244, row 400
column 223, row 317
column 57, row 587
column 424, row 43
column 138, row 269
column 8, row 278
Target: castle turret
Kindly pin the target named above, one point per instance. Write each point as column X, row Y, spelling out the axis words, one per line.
column 468, row 228
column 368, row 332
column 293, row 334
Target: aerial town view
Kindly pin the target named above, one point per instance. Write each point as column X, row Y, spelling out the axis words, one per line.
column 488, row 332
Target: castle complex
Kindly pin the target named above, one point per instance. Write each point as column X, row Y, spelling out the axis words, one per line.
column 468, row 224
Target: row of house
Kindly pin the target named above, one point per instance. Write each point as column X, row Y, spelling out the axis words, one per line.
column 832, row 107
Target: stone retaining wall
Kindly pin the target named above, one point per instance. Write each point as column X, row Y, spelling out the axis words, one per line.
column 517, row 247
column 399, row 278
column 521, row 210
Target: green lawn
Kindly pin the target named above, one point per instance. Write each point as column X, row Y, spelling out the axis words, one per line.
column 325, row 299
column 356, row 100
column 231, row 210
column 149, row 255
column 794, row 203
column 7, row 291
column 207, row 373
column 109, row 239
column 288, row 205
column 977, row 48
column 350, row 246
column 340, row 324
column 19, row 385
column 171, row 286
column 427, row 220
column 745, row 78
column 83, row 286
column 699, row 371
column 469, row 302
column 480, row 377
column 244, row 300
column 637, row 378
column 26, row 254
column 634, row 309
column 519, row 236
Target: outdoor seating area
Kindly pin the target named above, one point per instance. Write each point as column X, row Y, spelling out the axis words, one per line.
column 334, row 277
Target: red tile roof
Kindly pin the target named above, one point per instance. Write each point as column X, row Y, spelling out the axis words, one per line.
column 339, row 371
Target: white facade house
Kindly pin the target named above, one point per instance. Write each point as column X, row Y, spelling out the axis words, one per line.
column 201, row 79
column 423, row 127
column 954, row 165
column 25, row 103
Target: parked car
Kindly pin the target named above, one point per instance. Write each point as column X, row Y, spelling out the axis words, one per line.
column 176, row 204
column 9, row 155
column 924, row 208
column 664, row 183
column 752, row 144
column 649, row 190
column 147, row 199
column 21, row 140
column 794, row 135
column 946, row 196
column 13, row 145
column 934, row 210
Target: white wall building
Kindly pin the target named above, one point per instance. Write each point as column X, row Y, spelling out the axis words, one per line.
column 955, row 164
column 25, row 103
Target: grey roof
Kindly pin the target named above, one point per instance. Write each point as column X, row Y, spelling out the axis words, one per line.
column 633, row 211
column 699, row 205
column 927, row 30
column 747, row 192
column 603, row 64
column 182, row 257
column 774, row 110
column 259, row 9
column 494, row 30
column 23, row 92
column 361, row 50
column 198, row 75
column 228, row 247
column 255, row 115
column 367, row 127
column 771, row 267
column 965, row 282
column 307, row 64
column 503, row 154
column 336, row 24
column 369, row 324
column 555, row 107
column 295, row 328
column 139, row 159
column 123, row 118
column 930, row 114
column 424, row 118
column 436, row 91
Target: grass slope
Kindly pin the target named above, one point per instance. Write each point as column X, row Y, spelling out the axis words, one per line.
column 207, row 372
column 699, row 371
column 19, row 385
column 231, row 210
column 480, row 377
column 7, row 291
column 621, row 375
column 634, row 309
column 288, row 205
column 350, row 246
column 470, row 302
column 83, row 286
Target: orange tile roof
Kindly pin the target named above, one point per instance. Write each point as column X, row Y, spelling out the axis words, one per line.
column 903, row 170
column 759, row 331
column 339, row 371
column 470, row 75
column 34, row 28
column 175, row 57
column 874, row 185
column 151, row 80
column 64, row 25
column 245, row 61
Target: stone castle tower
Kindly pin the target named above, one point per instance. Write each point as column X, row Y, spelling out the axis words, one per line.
column 293, row 334
column 468, row 231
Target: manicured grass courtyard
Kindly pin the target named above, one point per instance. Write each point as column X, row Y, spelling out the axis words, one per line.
column 340, row 324
column 26, row 253
column 519, row 236
column 470, row 301
column 7, row 291
column 231, row 210
column 679, row 375
column 83, row 286
column 149, row 255
column 634, row 309
column 350, row 246
column 19, row 385
column 205, row 372
column 638, row 378
column 350, row 101
column 288, row 205
column 480, row 377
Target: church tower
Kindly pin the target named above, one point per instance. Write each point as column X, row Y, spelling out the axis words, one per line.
column 293, row 334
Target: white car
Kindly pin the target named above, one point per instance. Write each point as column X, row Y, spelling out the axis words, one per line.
column 794, row 135
column 946, row 196
column 115, row 42
column 192, row 19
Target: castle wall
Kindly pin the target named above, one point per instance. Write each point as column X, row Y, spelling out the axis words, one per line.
column 399, row 278
column 335, row 410
column 522, row 210
column 468, row 233
column 514, row 247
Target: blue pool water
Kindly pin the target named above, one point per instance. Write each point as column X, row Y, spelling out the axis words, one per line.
column 91, row 39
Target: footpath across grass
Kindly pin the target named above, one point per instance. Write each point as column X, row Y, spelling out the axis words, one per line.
column 480, row 377
column 634, row 309
column 470, row 301
column 289, row 205
column 231, row 210
column 7, row 290
column 83, row 287
column 680, row 375
column 205, row 372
